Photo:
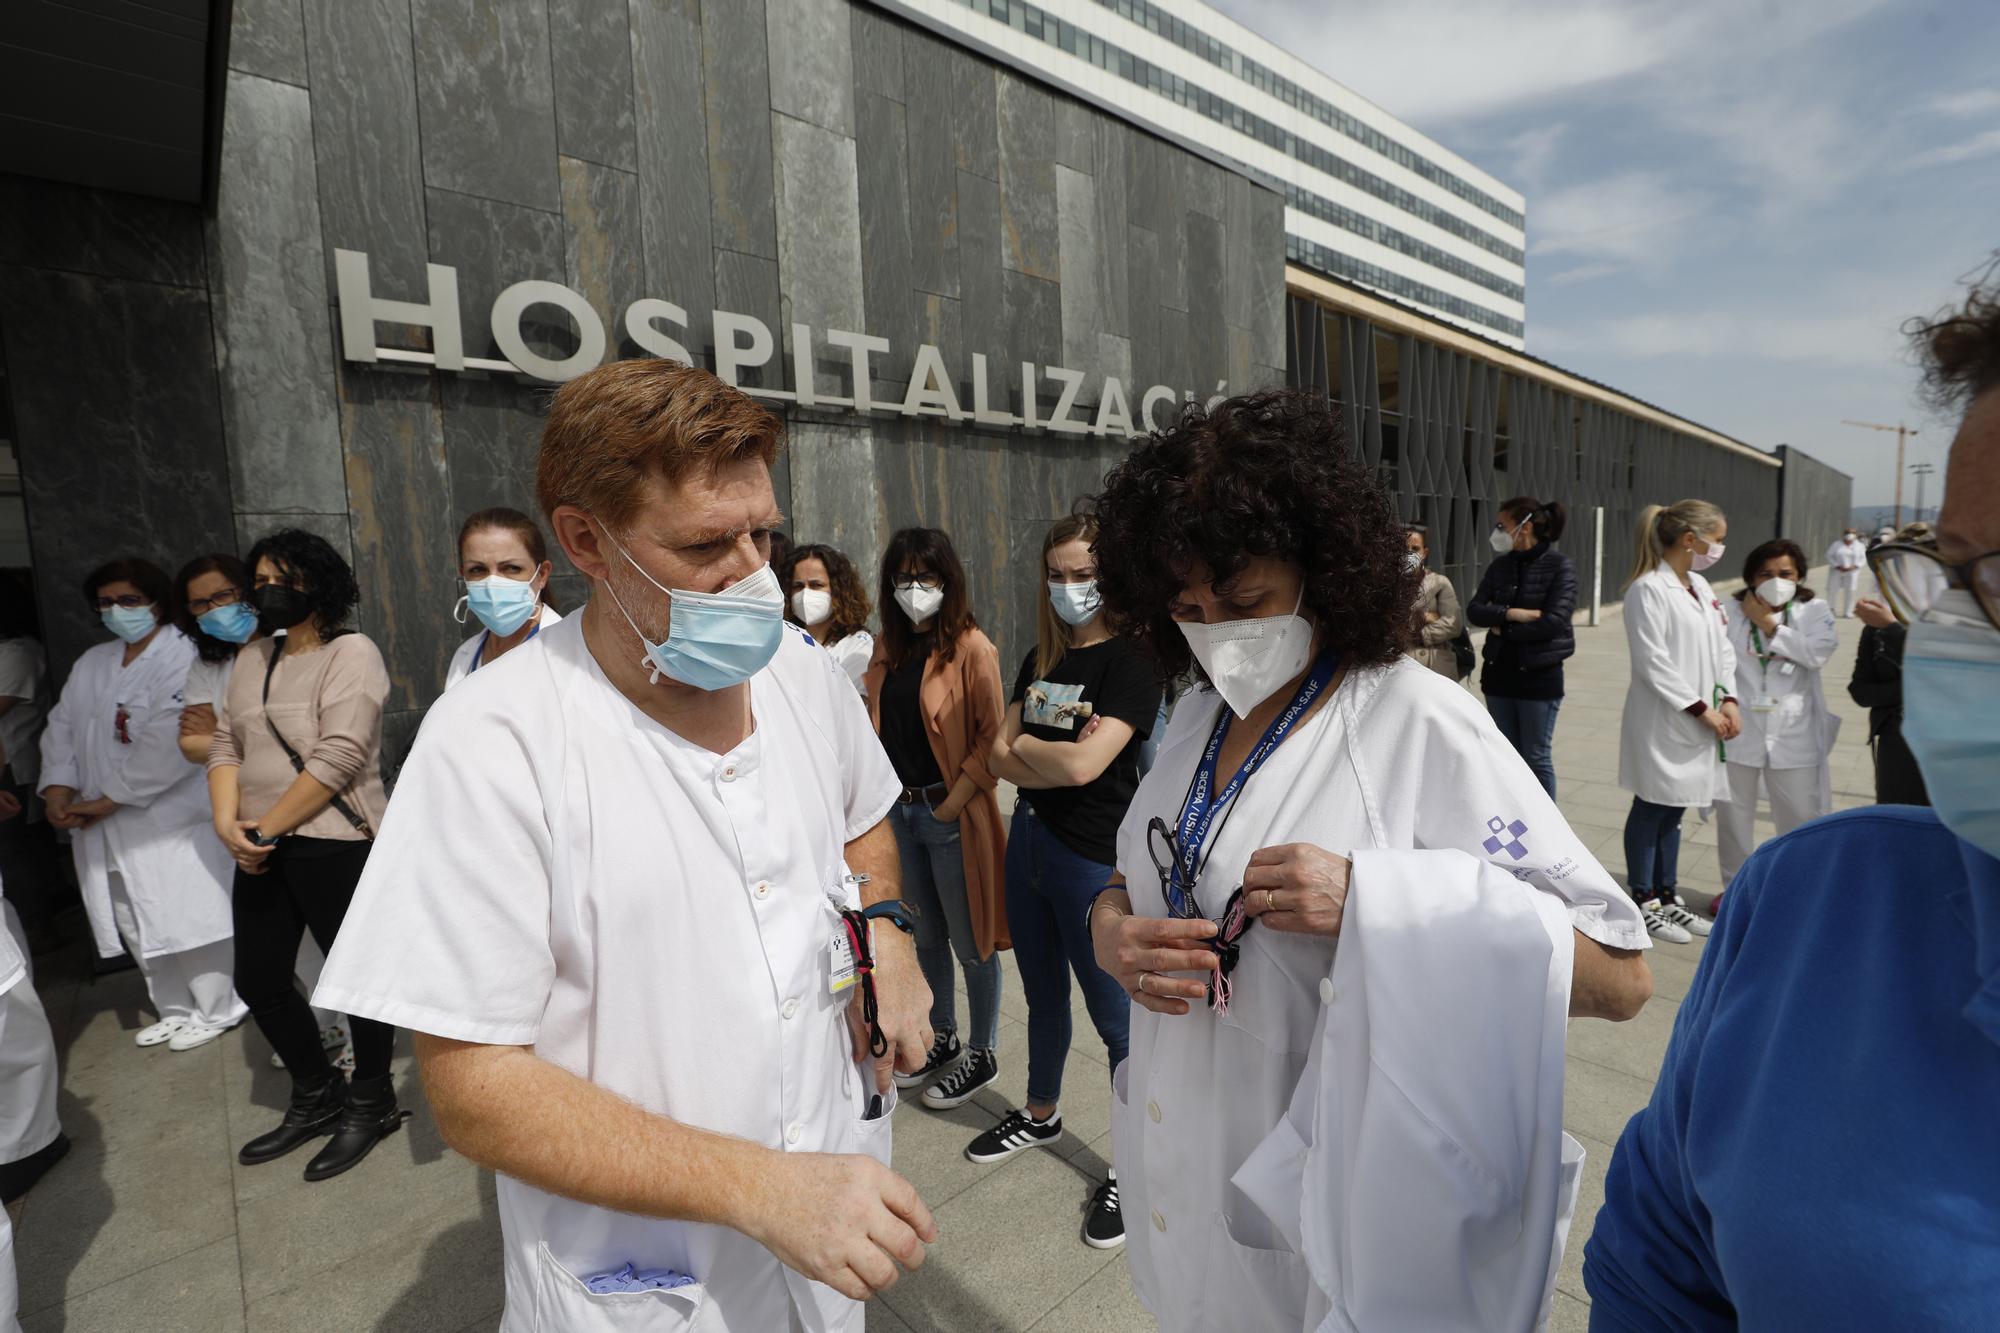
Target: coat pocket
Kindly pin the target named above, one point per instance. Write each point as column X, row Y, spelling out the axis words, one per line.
column 563, row 1304
column 1249, row 1288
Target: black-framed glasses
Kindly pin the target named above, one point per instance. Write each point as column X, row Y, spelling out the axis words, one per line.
column 1913, row 577
column 903, row 582
column 1165, row 849
column 131, row 601
column 201, row 606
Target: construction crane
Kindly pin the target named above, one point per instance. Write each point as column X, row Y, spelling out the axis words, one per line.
column 1902, row 435
column 1920, row 471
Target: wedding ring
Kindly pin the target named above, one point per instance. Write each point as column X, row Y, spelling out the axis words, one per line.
column 1142, row 982
column 1270, row 900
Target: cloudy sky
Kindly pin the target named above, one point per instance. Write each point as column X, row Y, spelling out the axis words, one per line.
column 1732, row 204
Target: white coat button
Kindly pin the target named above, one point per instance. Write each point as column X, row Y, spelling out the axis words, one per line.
column 763, row 889
column 1153, row 1110
column 1159, row 1223
column 791, row 1007
column 792, row 1134
column 1326, row 990
column 729, row 774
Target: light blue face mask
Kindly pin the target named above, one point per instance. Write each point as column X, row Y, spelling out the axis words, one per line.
column 1951, row 715
column 130, row 623
column 502, row 604
column 1076, row 603
column 234, row 623
column 714, row 640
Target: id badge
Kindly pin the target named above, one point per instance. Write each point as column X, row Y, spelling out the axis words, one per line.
column 840, row 954
column 1764, row 704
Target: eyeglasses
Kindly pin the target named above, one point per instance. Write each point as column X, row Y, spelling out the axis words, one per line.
column 131, row 601
column 1165, row 849
column 201, row 606
column 1914, row 577
column 907, row 581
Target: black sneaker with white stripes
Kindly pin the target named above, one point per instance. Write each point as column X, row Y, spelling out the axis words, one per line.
column 945, row 1052
column 1019, row 1130
column 975, row 1071
column 1104, row 1228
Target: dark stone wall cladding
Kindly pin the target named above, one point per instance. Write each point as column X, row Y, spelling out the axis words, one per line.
column 176, row 382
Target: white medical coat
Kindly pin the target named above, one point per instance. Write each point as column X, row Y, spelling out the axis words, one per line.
column 1786, row 723
column 1848, row 558
column 162, row 840
column 854, row 653
column 28, row 1073
column 559, row 871
column 468, row 652
column 1680, row 654
column 1399, row 758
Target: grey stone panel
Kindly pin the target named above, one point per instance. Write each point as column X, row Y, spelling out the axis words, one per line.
column 399, row 734
column 604, row 253
column 748, row 285
column 403, row 524
column 1201, row 183
column 488, row 99
column 1141, row 257
column 819, row 235
column 737, row 78
column 1266, row 245
column 971, row 475
column 835, row 499
column 1027, row 123
column 1153, row 202
column 364, row 107
column 494, row 245
column 1239, row 365
column 273, row 346
column 673, row 164
column 975, row 114
column 492, row 434
column 882, row 163
column 47, row 224
column 982, row 302
column 939, row 323
column 1113, row 213
column 812, row 64
column 590, row 50
column 1240, row 297
column 1076, row 136
column 253, row 528
column 1082, row 291
column 118, row 429
column 267, row 39
column 933, row 158
column 877, row 43
column 1175, row 350
column 1208, row 359
column 1034, row 318
column 1114, row 357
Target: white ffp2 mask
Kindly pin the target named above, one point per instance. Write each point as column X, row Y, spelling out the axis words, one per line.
column 1777, row 592
column 920, row 604
column 1248, row 660
column 812, row 605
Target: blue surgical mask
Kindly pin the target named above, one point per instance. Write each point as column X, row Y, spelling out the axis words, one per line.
column 714, row 640
column 1951, row 715
column 234, row 623
column 1076, row 603
column 130, row 623
column 502, row 604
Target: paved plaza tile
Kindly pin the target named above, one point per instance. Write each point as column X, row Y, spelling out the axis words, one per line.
column 150, row 1224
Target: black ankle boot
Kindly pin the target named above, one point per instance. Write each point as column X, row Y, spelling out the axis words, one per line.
column 314, row 1110
column 371, row 1115
column 17, row 1178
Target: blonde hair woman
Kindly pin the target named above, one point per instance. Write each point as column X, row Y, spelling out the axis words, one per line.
column 1680, row 711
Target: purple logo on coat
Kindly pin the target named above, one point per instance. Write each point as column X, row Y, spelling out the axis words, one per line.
column 1506, row 837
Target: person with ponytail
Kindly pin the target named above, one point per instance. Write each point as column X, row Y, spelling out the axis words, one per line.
column 824, row 596
column 1525, row 601
column 1680, row 711
column 504, row 563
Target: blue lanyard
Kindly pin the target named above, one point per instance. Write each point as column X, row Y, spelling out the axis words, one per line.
column 1203, row 801
column 479, row 658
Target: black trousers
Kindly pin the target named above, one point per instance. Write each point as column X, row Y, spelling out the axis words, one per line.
column 309, row 883
column 1898, row 780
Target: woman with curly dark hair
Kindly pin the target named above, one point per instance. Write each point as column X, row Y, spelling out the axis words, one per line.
column 295, row 782
column 824, row 595
column 1245, row 545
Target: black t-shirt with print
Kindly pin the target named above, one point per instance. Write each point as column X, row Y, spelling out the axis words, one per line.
column 1113, row 679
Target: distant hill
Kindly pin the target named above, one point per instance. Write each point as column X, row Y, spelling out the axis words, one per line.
column 1870, row 517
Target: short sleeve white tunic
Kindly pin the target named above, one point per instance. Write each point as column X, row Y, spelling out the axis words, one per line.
column 559, row 871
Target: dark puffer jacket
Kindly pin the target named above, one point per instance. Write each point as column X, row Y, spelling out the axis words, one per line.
column 1524, row 659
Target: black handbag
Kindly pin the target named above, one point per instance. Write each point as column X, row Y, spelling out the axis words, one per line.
column 1461, row 652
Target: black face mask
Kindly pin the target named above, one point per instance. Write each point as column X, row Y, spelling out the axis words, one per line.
column 280, row 607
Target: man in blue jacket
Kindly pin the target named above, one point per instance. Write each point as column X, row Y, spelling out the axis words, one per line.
column 1822, row 1150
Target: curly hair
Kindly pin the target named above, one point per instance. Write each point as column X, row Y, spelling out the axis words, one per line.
column 843, row 580
column 1268, row 475
column 1960, row 345
column 210, row 648
column 326, row 579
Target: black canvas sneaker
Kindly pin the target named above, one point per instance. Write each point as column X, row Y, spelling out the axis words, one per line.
column 1104, row 1228
column 974, row 1072
column 1019, row 1130
column 945, row 1052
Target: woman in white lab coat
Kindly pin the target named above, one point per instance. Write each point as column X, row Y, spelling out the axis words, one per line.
column 154, row 879
column 504, row 562
column 1680, row 710
column 824, row 595
column 1246, row 546
column 1782, row 635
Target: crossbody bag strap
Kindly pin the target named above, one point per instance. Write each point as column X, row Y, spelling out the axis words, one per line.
column 347, row 811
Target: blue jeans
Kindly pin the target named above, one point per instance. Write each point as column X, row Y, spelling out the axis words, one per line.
column 1530, row 727
column 1048, row 888
column 1149, row 749
column 1653, row 850
column 934, row 883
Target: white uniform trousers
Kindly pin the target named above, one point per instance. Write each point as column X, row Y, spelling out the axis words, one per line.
column 1795, row 800
column 28, row 1074
column 1845, row 584
column 195, row 984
